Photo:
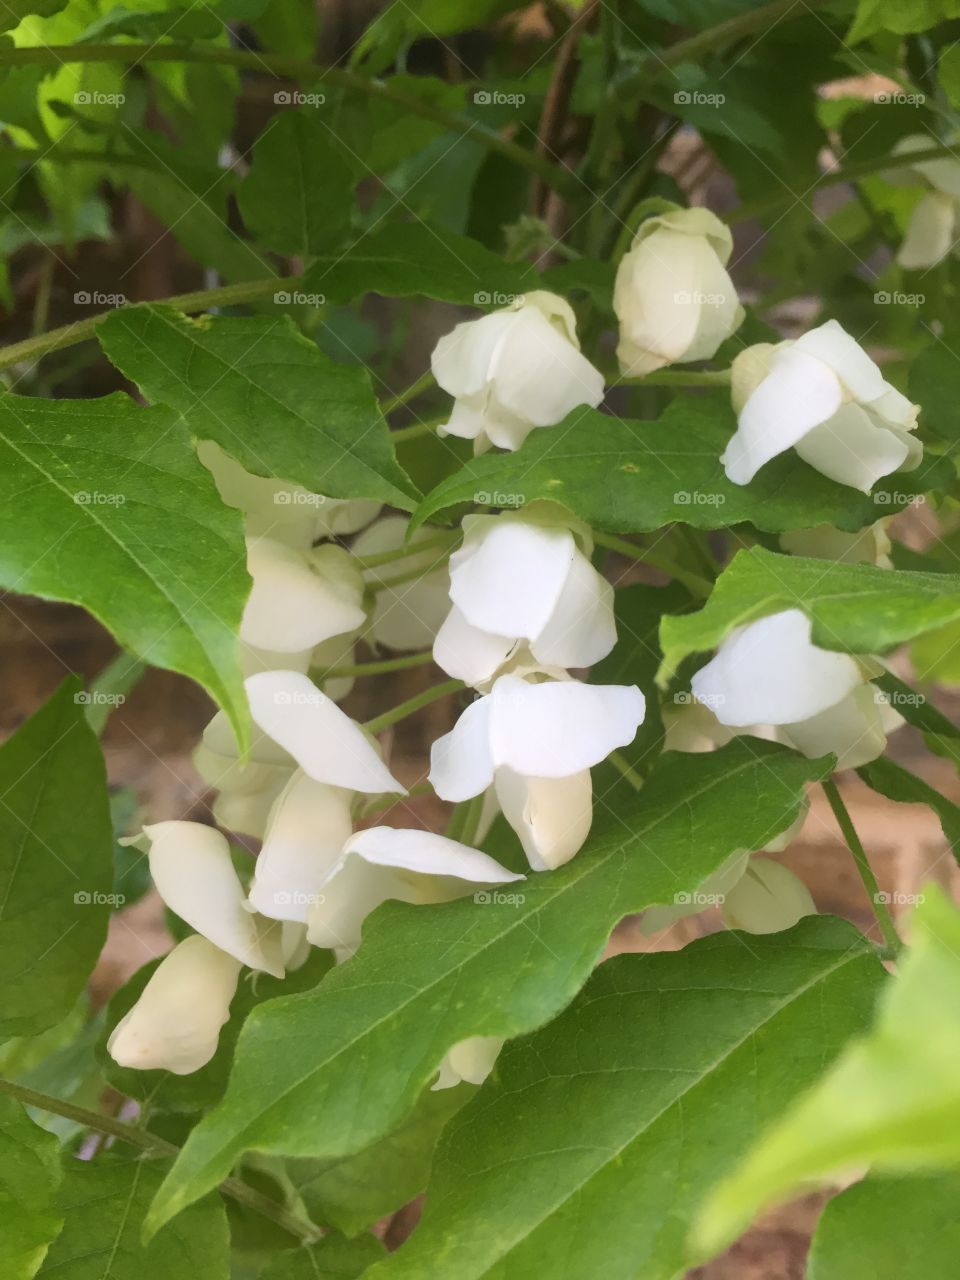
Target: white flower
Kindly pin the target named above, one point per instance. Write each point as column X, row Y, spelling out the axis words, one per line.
column 191, row 867
column 514, row 370
column 524, row 579
column 471, row 1059
column 673, row 297
column 322, row 739
column 932, row 230
column 407, row 616
column 384, row 863
column 536, row 743
column 308, row 827
column 770, row 672
column 767, row 898
column 868, row 546
column 825, row 397
column 247, row 789
column 281, row 509
column 175, row 1024
column 299, row 599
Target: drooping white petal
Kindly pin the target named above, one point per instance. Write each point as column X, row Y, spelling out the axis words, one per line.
column 507, row 577
column 539, row 375
column 930, row 232
column 468, row 420
column 797, row 394
column 831, row 343
column 471, row 1059
column 219, row 738
column 308, row 827
column 385, row 863
column 870, row 545
column 462, row 359
column 325, row 742
column 191, row 868
column 461, row 762
column 767, row 899
column 852, row 449
column 581, row 629
column 551, row 816
column 691, row 726
column 854, row 729
column 770, row 672
column 711, row 892
column 293, row 606
column 467, row 653
column 560, row 727
column 175, row 1024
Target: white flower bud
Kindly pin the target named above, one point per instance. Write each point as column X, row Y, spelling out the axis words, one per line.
column 767, row 899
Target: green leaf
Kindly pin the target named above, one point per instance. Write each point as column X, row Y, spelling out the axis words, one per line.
column 331, row 1259
column 56, row 872
column 14, row 11
column 353, row 1192
column 266, row 395
column 29, row 1177
column 892, row 1099
column 632, row 477
column 123, row 520
column 412, row 259
column 103, row 1202
column 889, row 1229
column 202, row 1089
column 589, row 1150
column 904, row 17
column 891, row 779
column 427, row 977
column 855, row 607
column 298, row 196
column 934, row 382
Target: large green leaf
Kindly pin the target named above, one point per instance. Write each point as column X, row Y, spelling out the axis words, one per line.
column 331, row 1259
column 892, row 1099
column 103, row 1202
column 590, row 1149
column 29, row 1177
column 56, row 864
column 631, row 477
column 298, row 196
column 855, row 607
column 353, row 1192
column 427, row 977
column 266, row 395
column 104, row 504
column 410, row 259
column 890, row 1229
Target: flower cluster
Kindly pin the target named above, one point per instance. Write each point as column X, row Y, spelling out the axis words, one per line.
column 517, row 612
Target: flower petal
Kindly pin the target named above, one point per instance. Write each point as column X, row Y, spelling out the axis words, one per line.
column 467, row 653
column 854, row 729
column 840, row 351
column 471, row 1059
column 194, row 875
column 551, row 816
column 797, row 395
column 461, row 764
column 426, row 853
column 508, row 575
column 560, row 727
column 299, row 600
column 853, row 449
column 323, row 740
column 462, row 359
column 930, row 232
column 308, row 827
column 175, row 1024
column 539, row 376
column 770, row 672
column 581, row 630
column 767, row 899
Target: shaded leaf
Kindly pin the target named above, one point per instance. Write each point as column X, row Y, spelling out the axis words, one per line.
column 29, row 1177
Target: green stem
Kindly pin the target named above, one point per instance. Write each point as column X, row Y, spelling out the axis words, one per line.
column 71, row 334
column 845, row 823
column 398, row 713
column 627, row 770
column 386, row 584
column 303, row 69
column 694, row 48
column 111, row 687
column 374, row 668
column 401, row 553
column 419, row 428
column 698, row 585
column 147, row 1141
column 424, row 382
column 680, row 378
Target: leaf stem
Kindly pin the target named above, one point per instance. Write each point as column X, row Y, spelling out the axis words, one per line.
column 82, row 330
column 626, row 770
column 698, row 585
column 375, row 668
column 419, row 700
column 395, row 402
column 303, row 69
column 854, row 844
column 401, row 553
column 419, row 428
column 680, row 378
column 147, row 1141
